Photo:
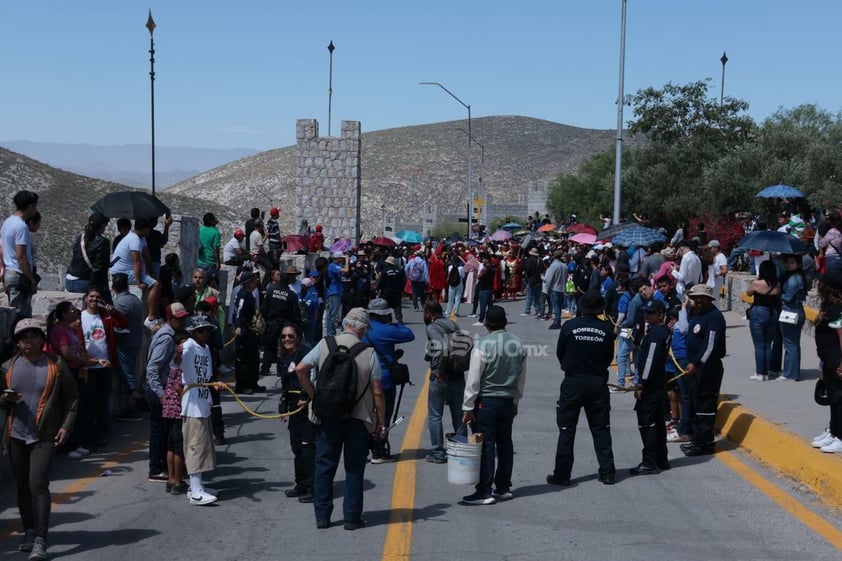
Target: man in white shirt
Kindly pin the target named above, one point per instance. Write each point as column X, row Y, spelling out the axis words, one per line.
column 130, row 257
column 719, row 268
column 18, row 266
column 689, row 272
column 234, row 252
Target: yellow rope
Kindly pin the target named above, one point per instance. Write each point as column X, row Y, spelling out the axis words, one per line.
column 245, row 407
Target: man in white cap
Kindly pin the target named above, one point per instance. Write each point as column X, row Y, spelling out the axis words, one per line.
column 718, row 269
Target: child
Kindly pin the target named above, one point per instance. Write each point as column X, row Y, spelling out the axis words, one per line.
column 197, row 368
column 171, row 415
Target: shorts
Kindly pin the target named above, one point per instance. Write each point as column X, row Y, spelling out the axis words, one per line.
column 199, row 453
column 175, row 437
column 147, row 280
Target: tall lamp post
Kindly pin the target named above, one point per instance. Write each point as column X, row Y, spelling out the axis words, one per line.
column 330, row 49
column 481, row 176
column 470, row 186
column 150, row 25
column 618, row 159
column 723, row 60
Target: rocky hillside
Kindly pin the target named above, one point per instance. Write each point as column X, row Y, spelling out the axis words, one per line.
column 406, row 168
column 65, row 200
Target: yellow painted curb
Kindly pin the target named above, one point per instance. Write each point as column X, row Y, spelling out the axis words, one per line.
column 783, row 450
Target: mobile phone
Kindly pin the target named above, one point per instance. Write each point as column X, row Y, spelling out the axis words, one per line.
column 10, row 391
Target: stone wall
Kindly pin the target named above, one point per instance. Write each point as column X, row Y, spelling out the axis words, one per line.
column 327, row 178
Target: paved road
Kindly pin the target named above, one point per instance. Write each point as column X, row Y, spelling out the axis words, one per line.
column 702, row 509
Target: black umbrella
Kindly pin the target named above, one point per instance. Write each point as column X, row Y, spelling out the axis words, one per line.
column 130, row 204
column 613, row 230
column 773, row 242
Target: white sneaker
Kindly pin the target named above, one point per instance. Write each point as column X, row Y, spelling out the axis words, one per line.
column 83, row 451
column 823, row 434
column 151, row 324
column 834, row 446
column 477, row 323
column 824, row 441
column 75, row 455
column 758, row 377
column 203, row 498
column 525, row 315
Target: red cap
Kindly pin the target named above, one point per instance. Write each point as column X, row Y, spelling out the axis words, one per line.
column 213, row 303
column 318, row 227
column 239, row 234
column 274, row 212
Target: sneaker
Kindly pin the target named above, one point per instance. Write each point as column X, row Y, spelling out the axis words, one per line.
column 386, row 459
column 555, row 326
column 307, row 497
column 758, row 377
column 129, row 416
column 203, row 498
column 322, row 524
column 179, row 489
column 39, row 550
column 220, row 440
column 612, row 389
column 502, row 494
column 783, row 378
column 27, row 541
column 161, row 477
column 471, row 316
column 824, row 433
column 673, row 436
column 75, row 455
column 479, row 499
column 433, row 459
column 823, row 441
column 525, row 315
column 225, row 369
column 352, row 525
column 85, row 452
column 835, row 445
column 552, row 479
column 477, row 324
column 837, row 324
column 152, row 324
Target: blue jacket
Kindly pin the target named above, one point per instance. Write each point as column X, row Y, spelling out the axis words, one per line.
column 383, row 337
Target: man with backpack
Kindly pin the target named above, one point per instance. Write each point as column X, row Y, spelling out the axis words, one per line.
column 448, row 362
column 348, row 408
column 418, row 275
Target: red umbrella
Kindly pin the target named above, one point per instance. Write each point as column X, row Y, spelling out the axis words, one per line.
column 383, row 241
column 296, row 243
column 580, row 229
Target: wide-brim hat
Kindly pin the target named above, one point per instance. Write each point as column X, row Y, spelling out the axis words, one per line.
column 379, row 307
column 199, row 321
column 533, row 251
column 700, row 291
column 248, row 277
column 390, row 260
column 292, row 270
column 28, row 324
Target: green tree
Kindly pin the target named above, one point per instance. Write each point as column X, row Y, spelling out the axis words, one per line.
column 444, row 229
column 590, row 191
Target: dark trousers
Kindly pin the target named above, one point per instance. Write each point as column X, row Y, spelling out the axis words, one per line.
column 495, row 416
column 270, row 345
column 31, row 470
column 486, row 299
column 84, row 425
column 707, row 397
column 393, row 298
column 381, row 446
column 217, row 424
column 653, row 432
column 591, row 393
column 687, row 389
column 302, row 441
column 157, row 435
column 99, row 391
column 331, row 438
column 247, row 364
column 419, row 292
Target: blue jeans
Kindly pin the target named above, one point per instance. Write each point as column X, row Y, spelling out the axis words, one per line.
column 555, row 298
column 334, row 308
column 331, row 437
column 762, row 323
column 441, row 394
column 533, row 298
column 570, row 302
column 624, row 349
column 79, row 286
column 486, row 298
column 454, row 298
column 127, row 357
column 495, row 416
column 792, row 348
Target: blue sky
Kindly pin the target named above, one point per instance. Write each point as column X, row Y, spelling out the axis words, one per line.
column 239, row 74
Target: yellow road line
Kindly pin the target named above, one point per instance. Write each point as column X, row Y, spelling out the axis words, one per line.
column 67, row 493
column 398, row 540
column 810, row 519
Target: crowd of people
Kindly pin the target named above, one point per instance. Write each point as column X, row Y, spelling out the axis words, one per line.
column 651, row 310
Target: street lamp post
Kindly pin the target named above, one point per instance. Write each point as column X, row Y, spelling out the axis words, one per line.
column 723, row 60
column 330, row 49
column 618, row 160
column 150, row 25
column 481, row 176
column 470, row 186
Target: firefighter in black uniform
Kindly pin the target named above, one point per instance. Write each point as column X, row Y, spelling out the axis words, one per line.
column 280, row 304
column 247, row 363
column 651, row 395
column 585, row 351
column 390, row 286
column 705, row 350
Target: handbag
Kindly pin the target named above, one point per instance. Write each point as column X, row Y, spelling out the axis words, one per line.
column 399, row 372
column 790, row 318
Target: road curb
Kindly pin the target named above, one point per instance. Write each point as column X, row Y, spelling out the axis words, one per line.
column 782, row 449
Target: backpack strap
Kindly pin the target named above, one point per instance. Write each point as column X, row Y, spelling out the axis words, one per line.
column 353, row 352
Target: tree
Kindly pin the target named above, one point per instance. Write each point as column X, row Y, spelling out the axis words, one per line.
column 590, row 191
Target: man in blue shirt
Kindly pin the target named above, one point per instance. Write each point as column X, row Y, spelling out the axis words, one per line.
column 333, row 292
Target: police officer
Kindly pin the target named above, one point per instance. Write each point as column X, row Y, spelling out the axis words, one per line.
column 705, row 350
column 651, row 395
column 390, row 285
column 280, row 304
column 585, row 350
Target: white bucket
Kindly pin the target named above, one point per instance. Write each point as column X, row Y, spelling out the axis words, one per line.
column 463, row 461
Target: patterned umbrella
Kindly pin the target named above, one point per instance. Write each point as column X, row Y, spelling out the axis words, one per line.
column 638, row 237
column 501, row 236
column 613, row 230
column 584, row 239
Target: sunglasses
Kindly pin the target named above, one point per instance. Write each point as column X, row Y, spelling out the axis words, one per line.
column 287, row 336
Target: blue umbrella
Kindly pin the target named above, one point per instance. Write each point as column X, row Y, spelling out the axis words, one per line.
column 772, row 241
column 638, row 237
column 511, row 226
column 780, row 191
column 409, row 236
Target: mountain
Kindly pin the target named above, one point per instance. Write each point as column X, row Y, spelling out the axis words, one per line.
column 128, row 164
column 65, row 200
column 404, row 169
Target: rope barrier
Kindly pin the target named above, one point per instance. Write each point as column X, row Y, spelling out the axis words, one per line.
column 245, row 407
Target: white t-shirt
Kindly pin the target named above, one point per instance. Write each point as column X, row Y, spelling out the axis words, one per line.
column 718, row 280
column 122, row 257
column 230, row 249
column 196, row 368
column 255, row 241
column 96, row 341
column 15, row 232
